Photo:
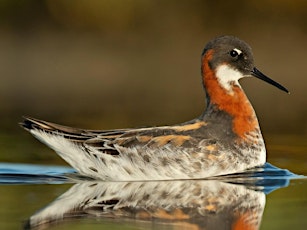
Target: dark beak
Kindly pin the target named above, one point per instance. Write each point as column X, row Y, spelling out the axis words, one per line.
column 256, row 73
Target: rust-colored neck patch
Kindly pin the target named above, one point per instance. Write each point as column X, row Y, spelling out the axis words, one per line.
column 246, row 221
column 235, row 104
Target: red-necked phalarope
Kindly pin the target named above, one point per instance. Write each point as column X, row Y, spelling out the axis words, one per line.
column 225, row 139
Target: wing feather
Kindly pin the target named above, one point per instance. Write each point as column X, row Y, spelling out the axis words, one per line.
column 108, row 141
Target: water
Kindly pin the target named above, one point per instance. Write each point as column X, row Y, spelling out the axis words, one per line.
column 43, row 197
column 44, row 193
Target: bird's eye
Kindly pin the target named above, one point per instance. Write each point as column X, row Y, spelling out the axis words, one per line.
column 233, row 53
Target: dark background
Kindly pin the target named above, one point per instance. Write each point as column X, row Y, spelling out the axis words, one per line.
column 104, row 64
column 125, row 63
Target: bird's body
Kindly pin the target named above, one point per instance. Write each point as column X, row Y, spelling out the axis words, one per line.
column 225, row 139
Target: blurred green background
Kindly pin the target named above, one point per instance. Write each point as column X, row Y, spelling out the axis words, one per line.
column 105, row 64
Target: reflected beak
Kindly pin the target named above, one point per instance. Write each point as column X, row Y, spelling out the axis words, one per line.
column 256, row 73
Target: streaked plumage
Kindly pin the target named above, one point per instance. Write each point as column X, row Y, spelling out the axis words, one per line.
column 225, row 139
column 184, row 204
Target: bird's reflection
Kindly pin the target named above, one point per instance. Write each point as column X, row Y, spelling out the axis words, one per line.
column 194, row 204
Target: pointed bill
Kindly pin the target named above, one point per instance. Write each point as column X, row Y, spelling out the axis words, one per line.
column 256, row 73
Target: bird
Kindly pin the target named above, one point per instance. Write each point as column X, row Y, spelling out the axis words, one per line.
column 194, row 204
column 225, row 139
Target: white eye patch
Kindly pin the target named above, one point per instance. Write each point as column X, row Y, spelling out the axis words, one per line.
column 238, row 51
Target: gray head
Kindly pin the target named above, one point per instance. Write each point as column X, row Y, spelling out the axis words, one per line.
column 232, row 59
column 231, row 51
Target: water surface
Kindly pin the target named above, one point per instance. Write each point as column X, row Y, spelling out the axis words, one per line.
column 42, row 196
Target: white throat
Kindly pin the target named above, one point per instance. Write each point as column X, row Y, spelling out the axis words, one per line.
column 228, row 76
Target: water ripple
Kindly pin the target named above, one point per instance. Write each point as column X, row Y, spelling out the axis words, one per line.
column 11, row 173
